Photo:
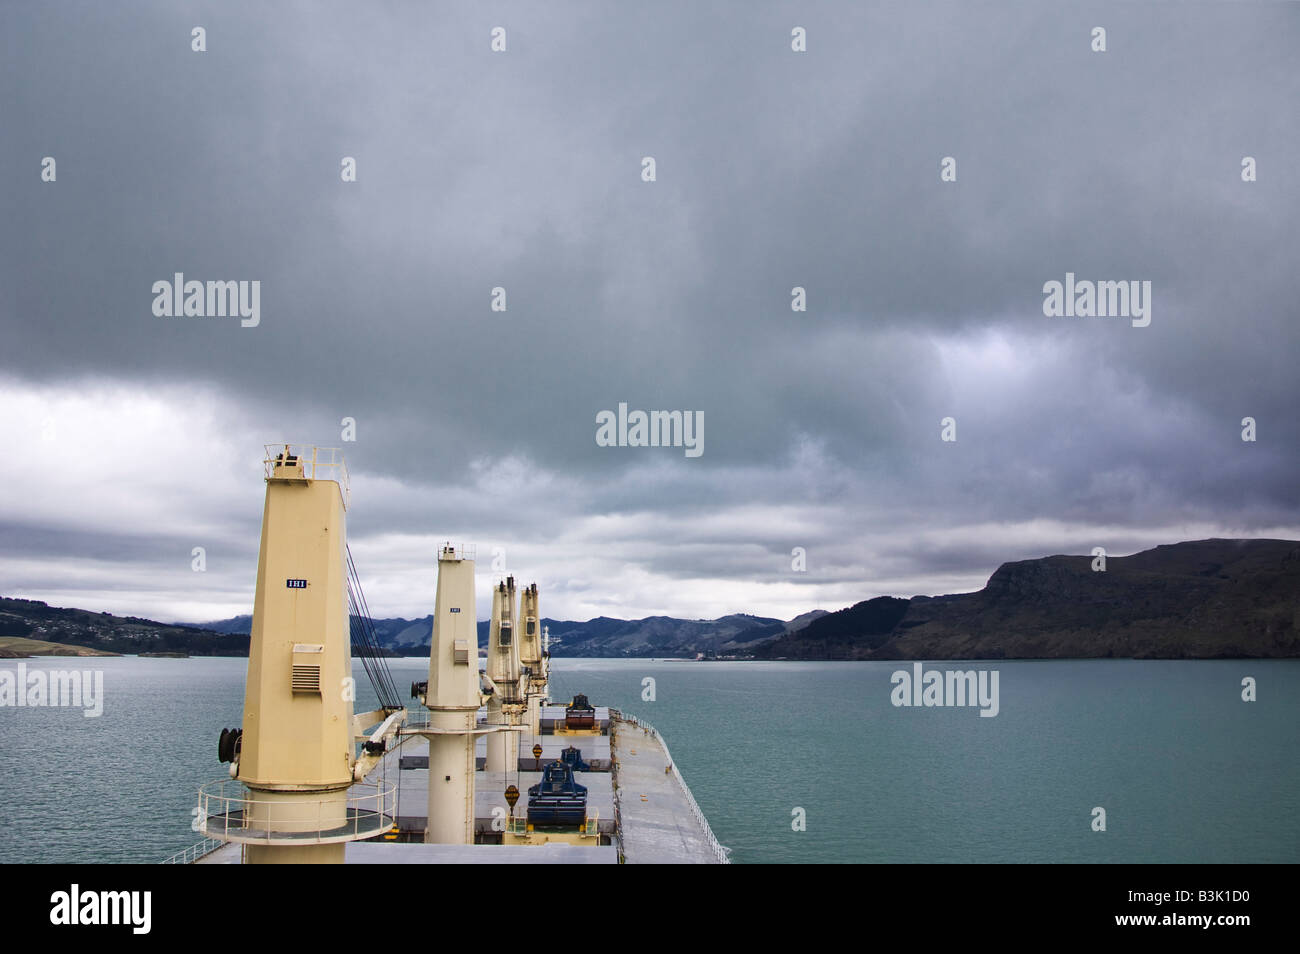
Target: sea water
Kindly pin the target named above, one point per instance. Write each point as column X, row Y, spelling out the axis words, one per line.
column 790, row 762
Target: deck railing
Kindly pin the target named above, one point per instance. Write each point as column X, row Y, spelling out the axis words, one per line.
column 230, row 812
column 720, row 852
column 194, row 852
column 458, row 551
column 316, row 463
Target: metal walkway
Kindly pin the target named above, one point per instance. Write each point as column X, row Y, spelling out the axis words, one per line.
column 660, row 822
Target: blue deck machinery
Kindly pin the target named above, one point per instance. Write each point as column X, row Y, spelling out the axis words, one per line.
column 573, row 756
column 557, row 800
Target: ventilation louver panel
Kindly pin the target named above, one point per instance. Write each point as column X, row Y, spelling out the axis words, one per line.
column 306, row 679
column 306, row 668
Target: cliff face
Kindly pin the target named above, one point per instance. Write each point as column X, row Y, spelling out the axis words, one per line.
column 1203, row 599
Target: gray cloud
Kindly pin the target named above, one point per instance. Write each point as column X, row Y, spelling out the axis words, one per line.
column 775, row 169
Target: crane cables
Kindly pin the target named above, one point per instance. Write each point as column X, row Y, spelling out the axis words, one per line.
column 365, row 642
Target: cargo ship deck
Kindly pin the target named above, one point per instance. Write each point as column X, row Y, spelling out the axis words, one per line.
column 643, row 811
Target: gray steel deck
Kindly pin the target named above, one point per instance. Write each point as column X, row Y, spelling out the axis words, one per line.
column 659, row 825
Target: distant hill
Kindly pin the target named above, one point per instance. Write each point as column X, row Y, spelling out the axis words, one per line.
column 235, row 626
column 737, row 634
column 1202, row 599
column 802, row 620
column 603, row 636
column 20, row 647
column 113, row 634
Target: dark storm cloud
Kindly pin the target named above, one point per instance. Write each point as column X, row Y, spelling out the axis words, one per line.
column 775, row 169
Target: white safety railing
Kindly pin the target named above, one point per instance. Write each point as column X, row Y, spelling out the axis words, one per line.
column 193, row 853
column 416, row 718
column 317, row 463
column 457, row 551
column 230, row 812
column 720, row 852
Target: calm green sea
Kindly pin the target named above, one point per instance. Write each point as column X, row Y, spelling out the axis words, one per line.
column 1185, row 770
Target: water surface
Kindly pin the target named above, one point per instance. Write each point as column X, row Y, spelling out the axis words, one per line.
column 1185, row 770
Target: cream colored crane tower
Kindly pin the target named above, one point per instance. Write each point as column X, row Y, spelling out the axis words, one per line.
column 533, row 657
column 296, row 750
column 506, row 704
column 453, row 698
column 299, row 792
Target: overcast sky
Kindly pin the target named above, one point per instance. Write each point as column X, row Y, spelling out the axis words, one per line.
column 137, row 438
